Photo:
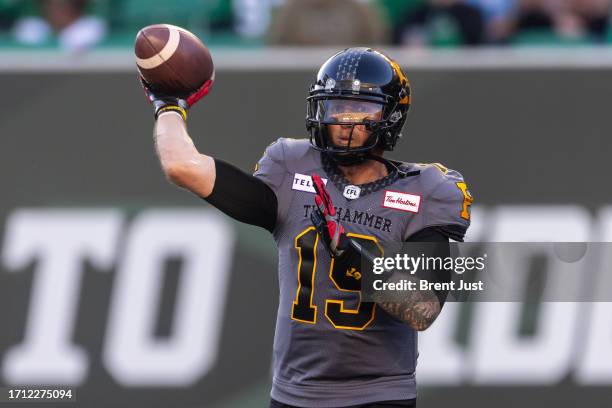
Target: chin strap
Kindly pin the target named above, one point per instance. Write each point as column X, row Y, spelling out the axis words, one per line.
column 347, row 159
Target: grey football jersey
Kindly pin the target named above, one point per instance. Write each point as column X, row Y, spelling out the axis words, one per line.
column 331, row 349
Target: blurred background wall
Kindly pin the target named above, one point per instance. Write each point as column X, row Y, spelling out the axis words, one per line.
column 140, row 295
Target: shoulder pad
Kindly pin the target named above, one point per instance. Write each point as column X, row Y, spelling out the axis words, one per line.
column 294, row 149
column 434, row 174
column 448, row 197
column 275, row 150
column 284, row 153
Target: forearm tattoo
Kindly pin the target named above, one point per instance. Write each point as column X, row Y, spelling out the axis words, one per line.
column 417, row 308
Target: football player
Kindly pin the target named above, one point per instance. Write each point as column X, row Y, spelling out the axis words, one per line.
column 325, row 199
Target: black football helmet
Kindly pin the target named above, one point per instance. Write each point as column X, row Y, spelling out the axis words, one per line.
column 357, row 86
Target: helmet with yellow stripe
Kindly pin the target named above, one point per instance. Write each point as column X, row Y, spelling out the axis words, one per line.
column 358, row 86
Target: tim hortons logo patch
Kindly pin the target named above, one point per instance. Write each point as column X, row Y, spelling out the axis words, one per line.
column 402, row 201
column 303, row 182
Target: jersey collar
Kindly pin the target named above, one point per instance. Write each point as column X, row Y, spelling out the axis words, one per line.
column 337, row 178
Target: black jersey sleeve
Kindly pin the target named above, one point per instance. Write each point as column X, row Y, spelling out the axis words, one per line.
column 243, row 197
column 440, row 235
column 429, row 234
column 356, row 254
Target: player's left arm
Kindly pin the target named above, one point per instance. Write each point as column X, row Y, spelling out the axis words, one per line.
column 446, row 217
column 420, row 308
column 417, row 308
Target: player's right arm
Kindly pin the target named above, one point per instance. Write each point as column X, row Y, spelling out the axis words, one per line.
column 180, row 160
column 242, row 196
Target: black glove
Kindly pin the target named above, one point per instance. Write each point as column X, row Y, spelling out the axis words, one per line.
column 166, row 103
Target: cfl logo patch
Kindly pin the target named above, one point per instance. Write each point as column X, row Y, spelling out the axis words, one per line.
column 351, row 192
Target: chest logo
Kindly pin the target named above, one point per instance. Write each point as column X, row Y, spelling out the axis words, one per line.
column 351, row 192
column 402, row 201
column 303, row 182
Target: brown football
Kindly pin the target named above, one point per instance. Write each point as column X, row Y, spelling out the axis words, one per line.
column 172, row 60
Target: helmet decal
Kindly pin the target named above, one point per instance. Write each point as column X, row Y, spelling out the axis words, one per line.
column 348, row 64
column 395, row 116
column 403, row 80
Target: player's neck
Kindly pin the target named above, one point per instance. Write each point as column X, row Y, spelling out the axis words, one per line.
column 365, row 172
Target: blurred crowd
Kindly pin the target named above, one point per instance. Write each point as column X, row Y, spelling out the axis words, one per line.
column 67, row 22
column 81, row 24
